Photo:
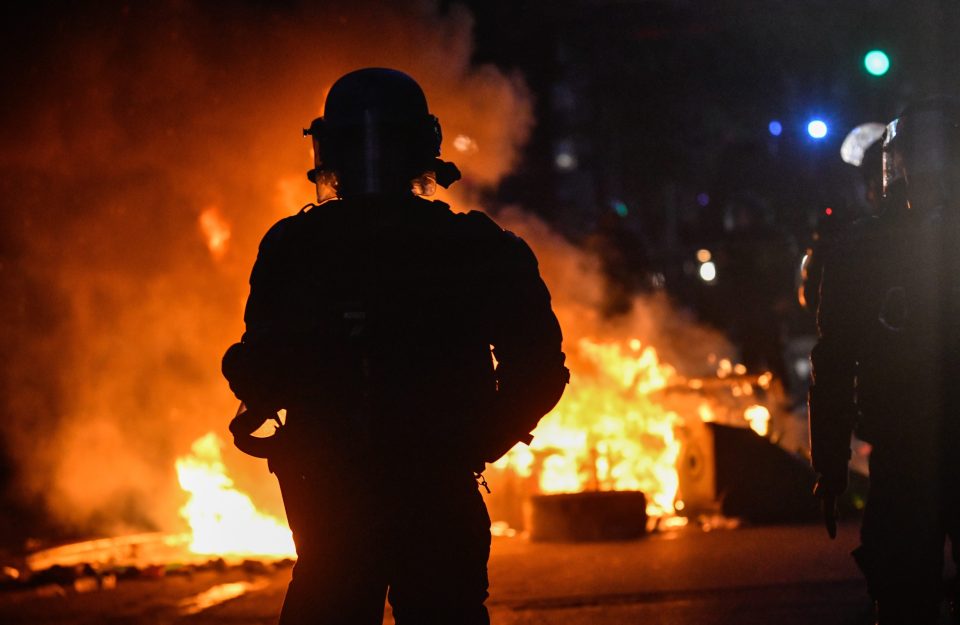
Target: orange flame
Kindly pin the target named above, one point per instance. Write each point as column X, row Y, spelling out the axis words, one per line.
column 607, row 433
column 759, row 419
column 223, row 520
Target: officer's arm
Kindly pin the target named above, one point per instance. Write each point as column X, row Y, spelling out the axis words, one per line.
column 255, row 367
column 526, row 340
column 832, row 410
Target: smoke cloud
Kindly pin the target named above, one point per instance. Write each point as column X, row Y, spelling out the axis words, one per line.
column 146, row 150
column 579, row 289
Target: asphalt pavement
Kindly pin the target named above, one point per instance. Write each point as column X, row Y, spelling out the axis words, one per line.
column 789, row 575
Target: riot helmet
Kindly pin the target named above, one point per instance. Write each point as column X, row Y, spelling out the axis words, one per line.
column 377, row 136
column 858, row 141
column 921, row 155
column 863, row 148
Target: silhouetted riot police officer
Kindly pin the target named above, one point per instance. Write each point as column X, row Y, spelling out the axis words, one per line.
column 371, row 320
column 863, row 149
column 887, row 364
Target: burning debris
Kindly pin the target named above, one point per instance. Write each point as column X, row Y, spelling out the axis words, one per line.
column 157, row 593
column 621, row 427
column 101, row 564
column 606, row 433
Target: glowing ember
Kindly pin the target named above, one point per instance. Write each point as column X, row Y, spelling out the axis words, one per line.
column 223, row 520
column 463, row 143
column 765, row 380
column 759, row 419
column 725, row 368
column 215, row 230
column 706, row 413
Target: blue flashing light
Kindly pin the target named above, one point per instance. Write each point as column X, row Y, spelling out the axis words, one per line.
column 817, row 128
column 877, row 62
column 775, row 128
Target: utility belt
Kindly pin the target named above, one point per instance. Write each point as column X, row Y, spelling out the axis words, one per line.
column 291, row 450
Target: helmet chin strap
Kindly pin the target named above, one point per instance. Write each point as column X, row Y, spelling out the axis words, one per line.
column 326, row 183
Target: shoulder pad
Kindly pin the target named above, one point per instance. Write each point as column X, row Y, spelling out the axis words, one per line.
column 481, row 222
column 519, row 249
column 429, row 209
column 436, row 208
column 512, row 245
column 440, row 205
column 424, row 202
column 280, row 232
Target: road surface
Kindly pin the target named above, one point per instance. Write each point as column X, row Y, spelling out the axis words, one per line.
column 761, row 575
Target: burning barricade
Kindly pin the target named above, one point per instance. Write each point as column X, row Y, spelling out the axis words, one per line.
column 632, row 446
column 625, row 438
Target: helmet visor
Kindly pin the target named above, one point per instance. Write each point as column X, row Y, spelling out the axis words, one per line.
column 922, row 144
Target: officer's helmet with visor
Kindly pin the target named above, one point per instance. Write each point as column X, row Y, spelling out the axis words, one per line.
column 921, row 156
column 377, row 136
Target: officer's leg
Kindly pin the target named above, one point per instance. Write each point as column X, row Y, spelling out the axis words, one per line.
column 333, row 591
column 954, row 532
column 440, row 554
column 951, row 490
column 339, row 577
column 902, row 537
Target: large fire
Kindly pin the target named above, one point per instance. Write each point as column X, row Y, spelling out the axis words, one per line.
column 223, row 520
column 616, row 428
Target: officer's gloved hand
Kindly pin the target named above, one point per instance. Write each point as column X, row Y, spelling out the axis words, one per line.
column 247, row 421
column 828, row 493
column 249, row 418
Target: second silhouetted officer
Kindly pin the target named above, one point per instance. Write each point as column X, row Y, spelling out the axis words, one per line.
column 887, row 363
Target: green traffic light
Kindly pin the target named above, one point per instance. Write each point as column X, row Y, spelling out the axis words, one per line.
column 877, row 62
